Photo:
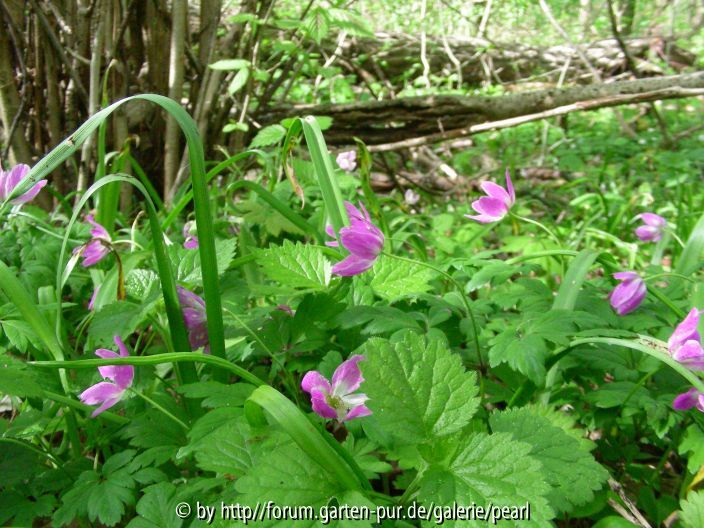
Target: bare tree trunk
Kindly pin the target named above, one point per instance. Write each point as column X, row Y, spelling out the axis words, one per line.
column 10, row 104
column 176, row 67
column 100, row 18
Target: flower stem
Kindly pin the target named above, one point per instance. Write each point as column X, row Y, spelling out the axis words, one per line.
column 159, row 408
column 538, row 224
column 169, row 357
column 670, row 274
column 468, row 309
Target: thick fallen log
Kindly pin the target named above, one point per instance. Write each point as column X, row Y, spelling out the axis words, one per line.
column 447, row 116
column 396, row 56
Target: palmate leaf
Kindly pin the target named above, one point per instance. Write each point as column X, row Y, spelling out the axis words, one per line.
column 119, row 318
column 570, row 470
column 101, row 496
column 393, row 278
column 288, row 477
column 296, row 265
column 692, row 515
column 228, row 449
column 418, row 390
column 156, row 508
column 489, row 470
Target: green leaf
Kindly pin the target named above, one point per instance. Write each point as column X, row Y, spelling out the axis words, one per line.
column 287, row 476
column 693, row 443
column 238, row 81
column 20, row 334
column 525, row 353
column 270, row 135
column 317, row 25
column 216, row 394
column 571, row 471
column 566, row 296
column 101, row 496
column 15, row 382
column 189, row 267
column 119, row 318
column 692, row 515
column 418, row 390
column 296, row 265
column 139, row 283
column 489, row 469
column 393, row 278
column 690, row 259
column 156, row 508
column 223, row 442
column 229, row 64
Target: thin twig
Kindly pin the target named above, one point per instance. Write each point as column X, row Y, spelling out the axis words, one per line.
column 665, row 93
column 637, row 517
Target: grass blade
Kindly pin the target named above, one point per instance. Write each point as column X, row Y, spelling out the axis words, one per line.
column 574, row 278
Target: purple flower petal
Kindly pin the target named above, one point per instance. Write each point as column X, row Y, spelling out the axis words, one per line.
column 490, row 207
column 315, row 381
column 354, row 214
column 648, row 233
column 352, row 265
column 330, row 231
column 626, row 275
column 98, row 230
column 107, row 371
column 194, row 317
column 91, row 303
column 347, row 377
column 13, row 177
column 364, row 243
column 685, row 331
column 690, row 354
column 320, row 405
column 509, row 186
column 494, row 190
column 99, row 392
column 31, row 193
column 628, row 295
column 347, row 160
column 191, row 243
column 687, row 400
column 358, row 412
column 652, row 219
column 93, row 252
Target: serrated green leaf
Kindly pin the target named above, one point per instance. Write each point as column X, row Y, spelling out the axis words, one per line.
column 296, row 265
column 156, row 508
column 524, row 353
column 692, row 515
column 693, row 443
column 287, row 476
column 120, row 318
column 571, row 471
column 229, row 449
column 270, row 135
column 189, row 268
column 418, row 390
column 140, row 282
column 489, row 470
column 393, row 278
column 317, row 25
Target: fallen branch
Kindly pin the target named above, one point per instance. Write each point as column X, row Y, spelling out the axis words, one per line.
column 666, row 93
column 427, row 119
